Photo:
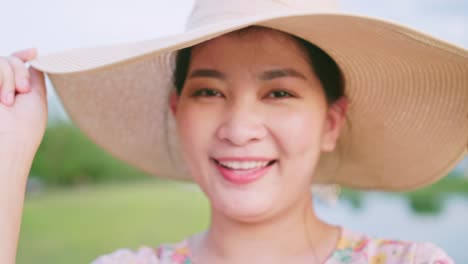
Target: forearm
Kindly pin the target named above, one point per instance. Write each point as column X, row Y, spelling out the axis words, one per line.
column 14, row 171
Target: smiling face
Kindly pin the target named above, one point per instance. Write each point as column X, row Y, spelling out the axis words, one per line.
column 253, row 120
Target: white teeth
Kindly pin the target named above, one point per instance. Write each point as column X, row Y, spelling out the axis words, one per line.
column 244, row 165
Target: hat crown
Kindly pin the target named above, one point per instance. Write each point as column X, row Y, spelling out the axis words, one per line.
column 206, row 12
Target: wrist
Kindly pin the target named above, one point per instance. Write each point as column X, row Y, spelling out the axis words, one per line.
column 13, row 148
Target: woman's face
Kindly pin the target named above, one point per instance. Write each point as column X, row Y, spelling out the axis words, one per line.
column 253, row 120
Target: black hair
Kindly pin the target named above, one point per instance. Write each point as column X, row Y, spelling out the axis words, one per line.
column 326, row 69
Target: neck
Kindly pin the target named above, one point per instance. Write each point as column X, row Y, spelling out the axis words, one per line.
column 296, row 232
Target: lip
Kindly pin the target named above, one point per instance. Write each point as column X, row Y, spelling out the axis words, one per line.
column 246, row 176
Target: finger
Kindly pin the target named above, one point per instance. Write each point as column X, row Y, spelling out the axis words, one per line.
column 21, row 74
column 25, row 55
column 37, row 81
column 7, row 84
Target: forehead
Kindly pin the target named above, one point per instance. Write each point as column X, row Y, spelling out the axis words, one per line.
column 249, row 46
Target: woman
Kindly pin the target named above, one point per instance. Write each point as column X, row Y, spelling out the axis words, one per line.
column 264, row 105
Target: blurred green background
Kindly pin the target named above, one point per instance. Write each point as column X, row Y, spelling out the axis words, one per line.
column 75, row 225
column 82, row 203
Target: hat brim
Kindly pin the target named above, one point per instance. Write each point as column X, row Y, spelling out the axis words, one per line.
column 408, row 92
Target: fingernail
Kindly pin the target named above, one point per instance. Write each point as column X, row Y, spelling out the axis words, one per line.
column 9, row 98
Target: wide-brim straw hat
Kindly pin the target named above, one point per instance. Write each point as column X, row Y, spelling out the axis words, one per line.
column 408, row 92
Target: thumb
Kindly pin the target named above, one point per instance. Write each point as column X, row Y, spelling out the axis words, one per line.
column 37, row 81
column 26, row 55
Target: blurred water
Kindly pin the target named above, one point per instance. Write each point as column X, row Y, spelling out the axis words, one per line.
column 391, row 217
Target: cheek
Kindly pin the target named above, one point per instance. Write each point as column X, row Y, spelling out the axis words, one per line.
column 192, row 127
column 298, row 137
column 196, row 129
column 190, row 140
column 298, row 132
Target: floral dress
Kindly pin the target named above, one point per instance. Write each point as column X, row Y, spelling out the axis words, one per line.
column 353, row 248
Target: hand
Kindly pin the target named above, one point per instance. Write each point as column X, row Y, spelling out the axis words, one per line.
column 23, row 103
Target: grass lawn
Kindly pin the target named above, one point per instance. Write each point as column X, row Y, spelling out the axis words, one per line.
column 78, row 224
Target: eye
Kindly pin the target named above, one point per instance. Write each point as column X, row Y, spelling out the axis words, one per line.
column 279, row 94
column 206, row 92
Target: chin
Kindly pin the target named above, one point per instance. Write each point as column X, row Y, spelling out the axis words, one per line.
column 246, row 206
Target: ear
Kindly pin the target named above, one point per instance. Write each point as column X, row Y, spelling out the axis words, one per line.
column 173, row 100
column 336, row 117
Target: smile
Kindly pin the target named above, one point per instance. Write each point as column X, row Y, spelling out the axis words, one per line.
column 243, row 171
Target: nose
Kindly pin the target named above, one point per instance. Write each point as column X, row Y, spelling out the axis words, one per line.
column 243, row 124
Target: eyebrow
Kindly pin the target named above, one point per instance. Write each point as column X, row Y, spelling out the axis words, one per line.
column 265, row 76
column 207, row 73
column 279, row 73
